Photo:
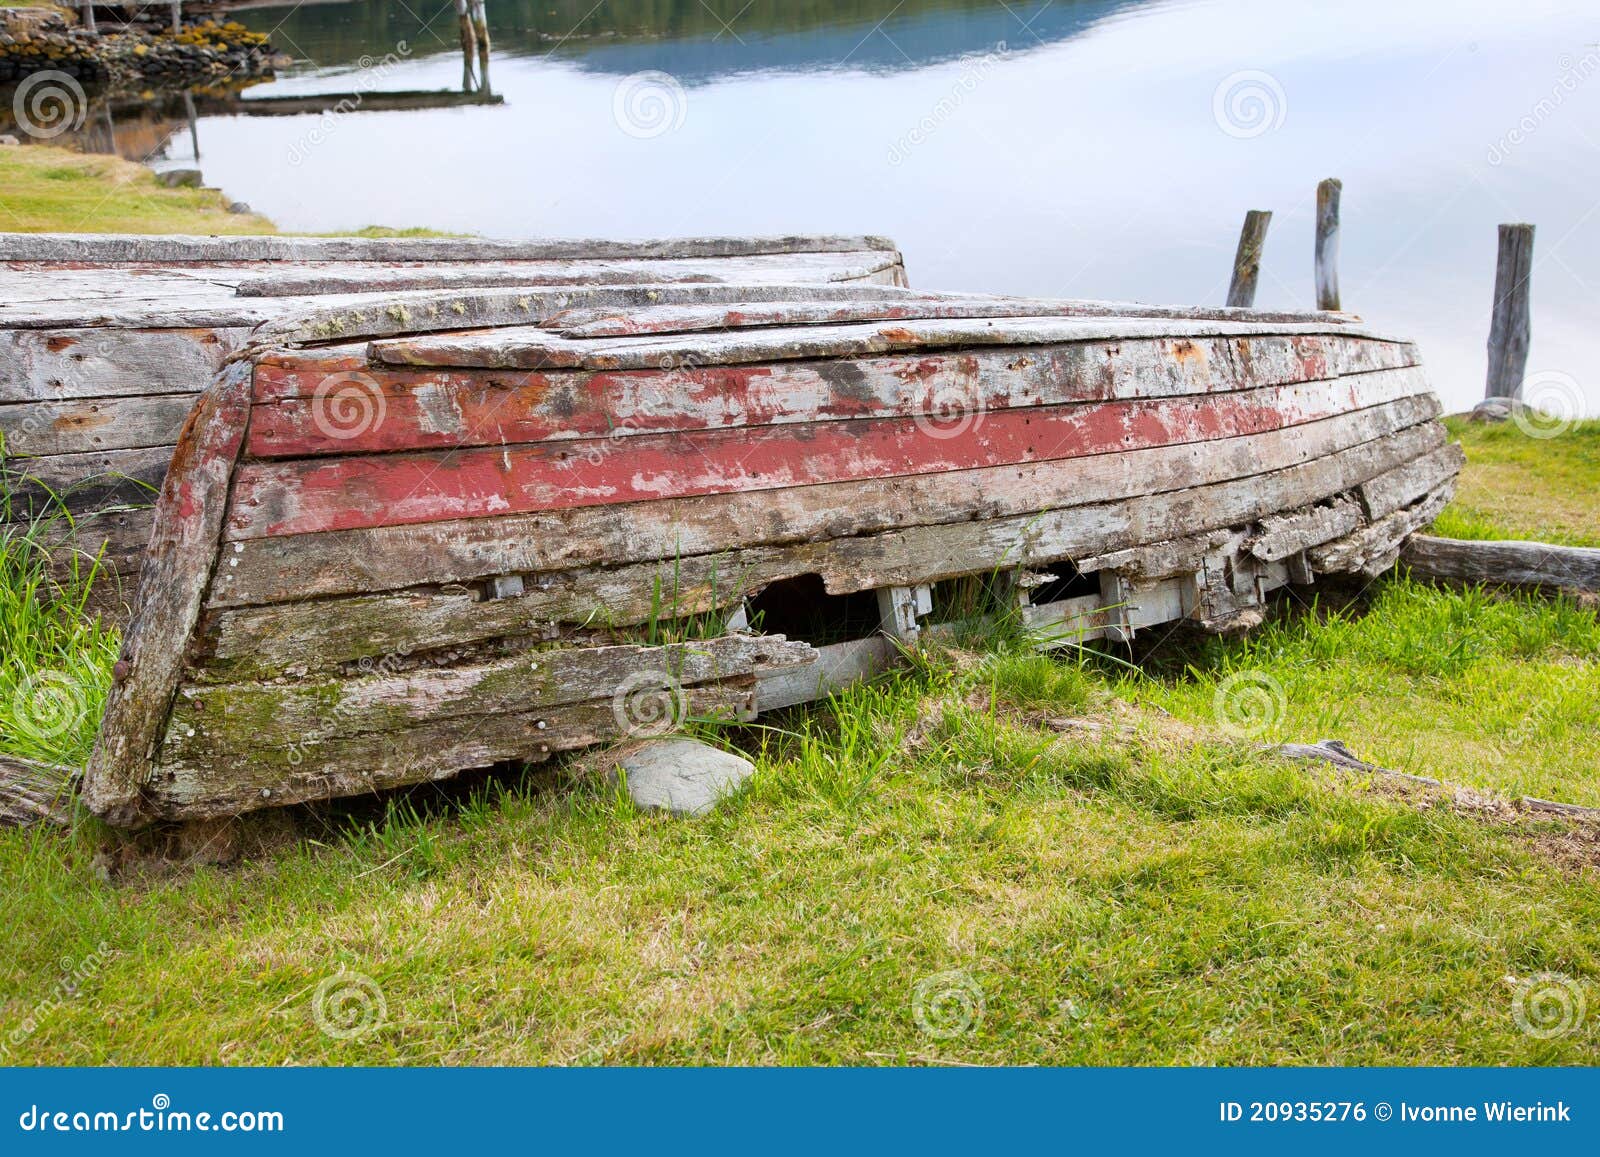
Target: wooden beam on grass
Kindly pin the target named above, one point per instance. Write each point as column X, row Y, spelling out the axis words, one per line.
column 1524, row 564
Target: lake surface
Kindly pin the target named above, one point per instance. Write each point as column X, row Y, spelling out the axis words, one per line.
column 1101, row 149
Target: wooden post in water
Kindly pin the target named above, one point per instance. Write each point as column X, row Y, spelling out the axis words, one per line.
column 1247, row 261
column 468, row 43
column 480, row 27
column 1509, row 328
column 87, row 7
column 1327, row 251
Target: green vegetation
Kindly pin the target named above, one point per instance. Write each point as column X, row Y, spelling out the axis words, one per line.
column 990, row 856
column 1515, row 486
column 46, row 189
column 57, row 657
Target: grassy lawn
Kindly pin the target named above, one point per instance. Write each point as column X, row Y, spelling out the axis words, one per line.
column 992, row 856
column 54, row 190
column 1528, row 488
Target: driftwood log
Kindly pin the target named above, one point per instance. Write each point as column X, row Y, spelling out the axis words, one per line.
column 1522, row 564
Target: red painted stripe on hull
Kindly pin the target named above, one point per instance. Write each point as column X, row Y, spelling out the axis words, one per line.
column 351, row 493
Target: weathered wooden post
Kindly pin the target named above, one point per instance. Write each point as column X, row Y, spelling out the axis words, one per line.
column 194, row 123
column 480, row 28
column 87, row 7
column 1327, row 251
column 468, row 43
column 1247, row 261
column 177, row 15
column 1509, row 328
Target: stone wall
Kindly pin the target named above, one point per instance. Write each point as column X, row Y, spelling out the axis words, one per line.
column 40, row 39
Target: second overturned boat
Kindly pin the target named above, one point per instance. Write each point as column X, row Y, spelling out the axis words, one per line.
column 403, row 552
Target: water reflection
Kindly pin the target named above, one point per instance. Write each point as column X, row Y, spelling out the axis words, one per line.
column 1107, row 148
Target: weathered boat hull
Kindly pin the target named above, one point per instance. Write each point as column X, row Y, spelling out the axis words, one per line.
column 105, row 340
column 387, row 558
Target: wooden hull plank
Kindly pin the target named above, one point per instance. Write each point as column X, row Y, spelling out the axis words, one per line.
column 357, row 765
column 390, row 558
column 702, row 318
column 302, row 497
column 534, row 348
column 125, row 248
column 90, row 425
column 338, row 405
column 213, row 721
column 56, row 365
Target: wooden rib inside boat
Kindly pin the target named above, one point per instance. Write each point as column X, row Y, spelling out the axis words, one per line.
column 105, row 340
column 411, row 546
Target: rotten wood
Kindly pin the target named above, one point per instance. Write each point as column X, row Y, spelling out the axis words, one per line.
column 1374, row 549
column 346, row 766
column 177, row 570
column 213, row 722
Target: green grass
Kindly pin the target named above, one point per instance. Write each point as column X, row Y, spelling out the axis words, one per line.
column 1517, row 487
column 1108, row 900
column 44, row 189
column 57, row 658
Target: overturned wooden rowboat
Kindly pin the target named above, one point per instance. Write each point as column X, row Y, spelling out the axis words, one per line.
column 106, row 340
column 407, row 551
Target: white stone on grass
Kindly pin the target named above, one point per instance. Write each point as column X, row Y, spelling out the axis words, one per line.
column 681, row 776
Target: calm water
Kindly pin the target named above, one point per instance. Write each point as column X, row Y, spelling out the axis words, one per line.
column 1097, row 149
